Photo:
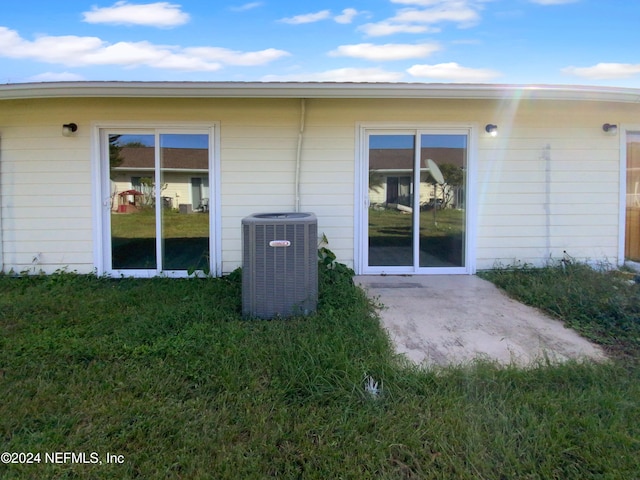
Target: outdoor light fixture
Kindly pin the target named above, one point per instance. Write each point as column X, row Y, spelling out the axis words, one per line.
column 68, row 129
column 491, row 129
column 609, row 128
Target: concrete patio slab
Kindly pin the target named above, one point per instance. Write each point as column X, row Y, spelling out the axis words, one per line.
column 455, row 319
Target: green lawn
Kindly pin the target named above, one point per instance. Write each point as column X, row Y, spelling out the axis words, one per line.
column 166, row 373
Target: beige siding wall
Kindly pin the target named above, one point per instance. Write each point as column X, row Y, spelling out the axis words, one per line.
column 547, row 183
column 47, row 183
column 46, row 191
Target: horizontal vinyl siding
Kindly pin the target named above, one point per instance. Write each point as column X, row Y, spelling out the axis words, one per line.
column 528, row 209
column 548, row 185
column 258, row 175
column 257, row 170
column 46, row 194
column 328, row 174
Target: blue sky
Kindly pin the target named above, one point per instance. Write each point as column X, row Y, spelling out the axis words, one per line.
column 581, row 42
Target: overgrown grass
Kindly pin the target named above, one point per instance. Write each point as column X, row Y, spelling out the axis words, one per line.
column 166, row 373
column 602, row 304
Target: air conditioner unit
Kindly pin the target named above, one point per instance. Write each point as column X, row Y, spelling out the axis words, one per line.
column 279, row 264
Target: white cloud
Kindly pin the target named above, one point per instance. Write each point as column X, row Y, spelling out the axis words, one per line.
column 422, row 16
column 382, row 29
column 553, row 2
column 308, row 18
column 449, row 3
column 86, row 51
column 160, row 14
column 56, row 77
column 347, row 16
column 233, row 57
column 339, row 75
column 605, row 71
column 453, row 72
column 44, row 48
column 422, row 3
column 389, row 51
column 462, row 16
column 247, row 6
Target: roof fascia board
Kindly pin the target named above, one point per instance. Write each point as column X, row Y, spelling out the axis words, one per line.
column 313, row 90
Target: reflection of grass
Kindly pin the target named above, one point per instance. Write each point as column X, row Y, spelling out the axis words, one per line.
column 441, row 234
column 392, row 227
column 174, row 224
column 185, row 245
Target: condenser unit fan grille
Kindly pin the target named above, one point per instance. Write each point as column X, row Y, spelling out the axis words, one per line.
column 280, row 265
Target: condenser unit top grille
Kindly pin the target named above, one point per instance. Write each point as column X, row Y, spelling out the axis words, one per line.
column 288, row 217
column 280, row 264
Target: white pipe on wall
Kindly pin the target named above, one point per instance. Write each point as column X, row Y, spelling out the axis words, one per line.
column 299, row 153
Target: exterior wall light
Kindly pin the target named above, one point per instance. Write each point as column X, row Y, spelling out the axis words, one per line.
column 491, row 129
column 609, row 128
column 69, row 128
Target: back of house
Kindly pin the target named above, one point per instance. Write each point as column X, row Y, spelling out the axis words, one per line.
column 155, row 178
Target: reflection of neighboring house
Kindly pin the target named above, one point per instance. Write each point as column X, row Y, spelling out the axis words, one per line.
column 184, row 174
column 391, row 171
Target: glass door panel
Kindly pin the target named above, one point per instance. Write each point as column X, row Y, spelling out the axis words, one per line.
column 443, row 165
column 417, row 201
column 391, row 172
column 159, row 215
column 632, row 230
column 184, row 187
column 133, row 215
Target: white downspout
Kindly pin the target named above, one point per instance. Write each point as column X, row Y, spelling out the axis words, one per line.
column 299, row 153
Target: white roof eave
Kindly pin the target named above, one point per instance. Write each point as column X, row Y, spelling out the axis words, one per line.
column 314, row 90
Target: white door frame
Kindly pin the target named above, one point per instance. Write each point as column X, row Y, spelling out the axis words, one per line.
column 361, row 202
column 625, row 130
column 101, row 197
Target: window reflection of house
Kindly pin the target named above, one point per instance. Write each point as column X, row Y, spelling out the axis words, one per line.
column 393, row 169
column 184, row 178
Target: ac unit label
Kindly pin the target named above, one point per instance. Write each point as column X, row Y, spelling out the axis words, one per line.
column 279, row 243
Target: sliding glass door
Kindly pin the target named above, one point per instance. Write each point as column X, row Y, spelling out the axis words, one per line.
column 416, row 206
column 159, row 215
column 632, row 227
